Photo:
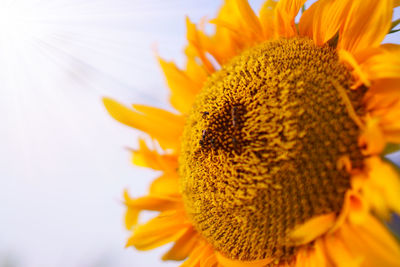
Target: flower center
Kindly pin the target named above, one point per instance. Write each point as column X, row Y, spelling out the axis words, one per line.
column 261, row 146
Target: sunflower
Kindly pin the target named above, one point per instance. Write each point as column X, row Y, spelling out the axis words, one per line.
column 275, row 154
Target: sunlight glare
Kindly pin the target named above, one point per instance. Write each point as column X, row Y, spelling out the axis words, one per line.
column 17, row 23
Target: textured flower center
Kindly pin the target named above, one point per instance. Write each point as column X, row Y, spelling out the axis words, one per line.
column 261, row 147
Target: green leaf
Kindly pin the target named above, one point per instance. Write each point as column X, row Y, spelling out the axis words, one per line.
column 303, row 9
column 394, row 24
column 391, row 148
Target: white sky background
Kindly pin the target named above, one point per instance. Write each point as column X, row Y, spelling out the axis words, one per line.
column 63, row 165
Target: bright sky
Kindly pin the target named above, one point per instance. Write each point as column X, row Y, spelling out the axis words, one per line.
column 63, row 162
column 63, row 165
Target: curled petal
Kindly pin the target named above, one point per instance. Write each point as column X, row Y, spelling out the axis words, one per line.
column 312, row 229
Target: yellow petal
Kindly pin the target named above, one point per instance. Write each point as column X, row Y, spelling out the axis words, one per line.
column 303, row 257
column 286, row 11
column 165, row 228
column 366, row 25
column 339, row 254
column 390, row 124
column 307, row 18
column 318, row 257
column 249, row 17
column 198, row 255
column 389, row 87
column 360, row 76
column 145, row 157
column 183, row 246
column 312, row 229
column 383, row 65
column 222, row 46
column 354, row 207
column 159, row 124
column 372, row 140
column 183, row 89
column 385, row 181
column 358, row 209
column 193, row 37
column 208, row 257
column 154, row 202
column 243, row 26
column 385, row 105
column 376, row 201
column 323, row 19
column 131, row 218
column 230, row 12
column 210, row 260
column 267, row 16
column 227, row 41
column 227, row 25
column 371, row 241
column 195, row 71
column 160, row 114
column 237, row 263
column 166, row 184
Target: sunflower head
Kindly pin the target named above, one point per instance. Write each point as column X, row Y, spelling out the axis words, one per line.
column 275, row 157
column 262, row 147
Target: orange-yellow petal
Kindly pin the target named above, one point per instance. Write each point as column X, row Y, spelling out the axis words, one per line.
column 195, row 71
column 318, row 256
column 199, row 255
column 159, row 124
column 383, row 182
column 366, row 24
column 229, row 38
column 306, row 23
column 161, row 114
column 165, row 228
column 372, row 140
column 183, row 89
column 358, row 210
column 339, row 253
column 303, row 257
column 210, row 260
column 354, row 209
column 312, row 229
column 155, row 203
column 131, row 218
column 387, row 87
column 166, row 184
column 390, row 124
column 193, row 37
column 371, row 241
column 383, row 65
column 249, row 18
column 230, row 12
column 183, row 246
column 267, row 16
column 243, row 26
column 286, row 11
column 360, row 76
column 237, row 263
column 145, row 157
column 385, row 105
column 323, row 19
